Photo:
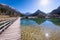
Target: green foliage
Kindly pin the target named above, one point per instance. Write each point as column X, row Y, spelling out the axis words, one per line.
column 56, row 21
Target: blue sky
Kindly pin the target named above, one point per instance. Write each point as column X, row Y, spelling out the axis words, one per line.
column 32, row 5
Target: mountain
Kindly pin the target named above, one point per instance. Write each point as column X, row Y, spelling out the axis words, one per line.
column 55, row 13
column 27, row 14
column 38, row 13
column 8, row 10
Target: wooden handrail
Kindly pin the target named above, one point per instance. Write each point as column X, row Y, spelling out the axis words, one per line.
column 6, row 25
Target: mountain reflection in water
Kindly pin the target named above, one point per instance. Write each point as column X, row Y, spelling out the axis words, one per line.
column 45, row 30
column 56, row 21
column 32, row 21
column 38, row 21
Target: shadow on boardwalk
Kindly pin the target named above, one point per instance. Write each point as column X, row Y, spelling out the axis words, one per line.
column 13, row 32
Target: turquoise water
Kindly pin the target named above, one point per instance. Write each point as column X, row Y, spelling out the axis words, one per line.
column 46, row 22
column 50, row 27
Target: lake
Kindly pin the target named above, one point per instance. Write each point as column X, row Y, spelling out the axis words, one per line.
column 40, row 29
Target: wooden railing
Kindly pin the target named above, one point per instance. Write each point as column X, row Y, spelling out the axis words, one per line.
column 5, row 24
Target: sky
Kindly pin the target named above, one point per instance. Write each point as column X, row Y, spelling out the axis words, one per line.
column 32, row 5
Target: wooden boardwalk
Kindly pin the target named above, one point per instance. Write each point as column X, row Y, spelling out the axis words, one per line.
column 12, row 32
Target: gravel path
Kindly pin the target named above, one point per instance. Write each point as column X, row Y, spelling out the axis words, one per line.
column 12, row 32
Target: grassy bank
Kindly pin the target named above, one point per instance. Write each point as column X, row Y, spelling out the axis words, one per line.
column 6, row 17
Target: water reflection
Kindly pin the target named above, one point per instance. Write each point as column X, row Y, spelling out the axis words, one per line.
column 32, row 21
column 47, row 35
column 28, row 22
column 52, row 32
column 56, row 21
column 45, row 30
